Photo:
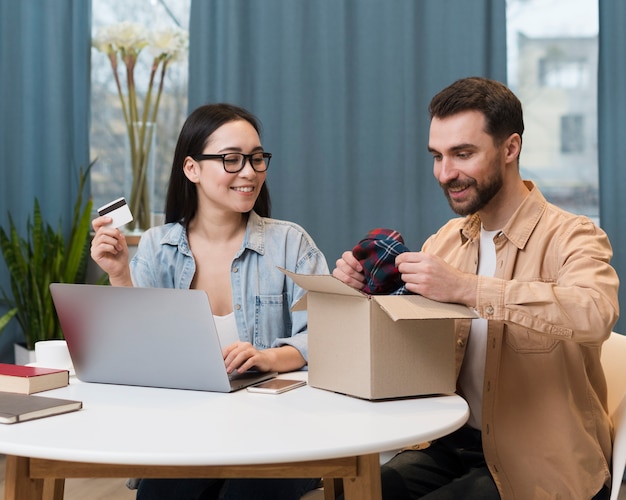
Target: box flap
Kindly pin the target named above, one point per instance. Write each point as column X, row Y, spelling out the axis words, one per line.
column 417, row 307
column 325, row 283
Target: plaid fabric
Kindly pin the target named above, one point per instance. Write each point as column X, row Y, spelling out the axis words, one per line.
column 377, row 253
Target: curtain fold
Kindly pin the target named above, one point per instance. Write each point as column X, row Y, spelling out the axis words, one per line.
column 44, row 129
column 342, row 89
column 611, row 127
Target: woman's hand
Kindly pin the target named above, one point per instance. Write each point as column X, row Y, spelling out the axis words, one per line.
column 110, row 251
column 242, row 356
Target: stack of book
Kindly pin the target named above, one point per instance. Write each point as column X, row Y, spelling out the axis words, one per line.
column 17, row 385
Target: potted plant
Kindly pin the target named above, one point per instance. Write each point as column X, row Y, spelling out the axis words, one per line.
column 45, row 256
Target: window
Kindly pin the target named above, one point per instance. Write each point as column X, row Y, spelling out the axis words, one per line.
column 108, row 136
column 572, row 134
column 552, row 63
column 566, row 74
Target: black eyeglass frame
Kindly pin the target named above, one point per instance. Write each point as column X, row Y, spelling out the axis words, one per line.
column 266, row 156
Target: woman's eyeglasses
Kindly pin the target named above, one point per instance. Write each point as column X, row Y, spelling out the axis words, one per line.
column 234, row 162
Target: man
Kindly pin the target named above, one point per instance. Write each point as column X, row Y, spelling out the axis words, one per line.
column 541, row 282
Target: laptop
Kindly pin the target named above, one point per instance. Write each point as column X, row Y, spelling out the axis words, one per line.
column 151, row 337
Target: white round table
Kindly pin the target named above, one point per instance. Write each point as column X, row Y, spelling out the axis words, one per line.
column 193, row 433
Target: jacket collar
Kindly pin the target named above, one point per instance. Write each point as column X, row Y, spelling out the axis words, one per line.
column 255, row 233
column 521, row 224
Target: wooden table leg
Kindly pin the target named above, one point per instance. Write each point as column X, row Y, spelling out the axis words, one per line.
column 367, row 482
column 18, row 485
column 333, row 487
column 53, row 489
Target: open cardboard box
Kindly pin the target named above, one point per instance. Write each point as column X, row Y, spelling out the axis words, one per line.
column 379, row 346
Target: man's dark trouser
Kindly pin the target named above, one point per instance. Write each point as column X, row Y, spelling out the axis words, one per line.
column 452, row 467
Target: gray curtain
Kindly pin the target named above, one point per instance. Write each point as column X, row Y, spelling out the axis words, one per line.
column 611, row 130
column 342, row 89
column 44, row 127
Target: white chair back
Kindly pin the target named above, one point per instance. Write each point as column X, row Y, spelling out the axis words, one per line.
column 614, row 365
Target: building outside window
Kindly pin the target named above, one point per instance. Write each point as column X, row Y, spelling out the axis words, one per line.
column 556, row 71
column 552, row 67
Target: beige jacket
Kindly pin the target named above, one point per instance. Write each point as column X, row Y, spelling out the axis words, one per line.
column 551, row 304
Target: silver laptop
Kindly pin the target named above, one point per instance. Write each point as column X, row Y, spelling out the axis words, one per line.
column 152, row 337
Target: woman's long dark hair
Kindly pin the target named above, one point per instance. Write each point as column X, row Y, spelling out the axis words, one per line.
column 181, row 203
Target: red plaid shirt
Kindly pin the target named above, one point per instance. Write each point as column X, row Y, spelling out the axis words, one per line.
column 377, row 253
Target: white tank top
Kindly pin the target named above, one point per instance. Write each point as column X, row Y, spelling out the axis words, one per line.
column 226, row 329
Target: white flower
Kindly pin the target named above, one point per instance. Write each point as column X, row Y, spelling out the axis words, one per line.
column 126, row 38
column 102, row 43
column 170, row 43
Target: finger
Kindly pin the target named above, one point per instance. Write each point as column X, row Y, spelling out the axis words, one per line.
column 99, row 222
column 238, row 362
column 236, row 355
column 357, row 282
column 247, row 365
column 408, row 257
column 108, row 242
column 100, row 251
column 341, row 275
column 352, row 269
column 228, row 352
column 349, row 258
column 109, row 235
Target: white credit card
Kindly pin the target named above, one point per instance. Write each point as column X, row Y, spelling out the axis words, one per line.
column 118, row 210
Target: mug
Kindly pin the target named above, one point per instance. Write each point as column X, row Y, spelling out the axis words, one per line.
column 53, row 354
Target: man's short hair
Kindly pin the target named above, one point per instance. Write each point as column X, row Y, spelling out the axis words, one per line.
column 501, row 107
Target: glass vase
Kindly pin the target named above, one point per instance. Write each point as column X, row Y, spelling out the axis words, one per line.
column 139, row 175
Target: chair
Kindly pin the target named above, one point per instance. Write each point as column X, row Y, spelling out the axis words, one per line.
column 613, row 363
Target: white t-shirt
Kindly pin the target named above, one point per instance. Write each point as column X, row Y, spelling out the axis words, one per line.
column 472, row 374
column 226, row 329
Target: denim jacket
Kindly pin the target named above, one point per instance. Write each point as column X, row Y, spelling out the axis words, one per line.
column 262, row 295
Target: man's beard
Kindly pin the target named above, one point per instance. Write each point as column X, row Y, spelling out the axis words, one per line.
column 482, row 196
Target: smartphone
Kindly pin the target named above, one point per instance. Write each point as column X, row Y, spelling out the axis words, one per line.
column 276, row 386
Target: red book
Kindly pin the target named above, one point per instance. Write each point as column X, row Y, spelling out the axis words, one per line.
column 30, row 379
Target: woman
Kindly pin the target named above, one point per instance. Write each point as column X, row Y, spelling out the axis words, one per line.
column 218, row 237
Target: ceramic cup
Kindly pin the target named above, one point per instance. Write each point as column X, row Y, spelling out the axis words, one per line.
column 53, row 354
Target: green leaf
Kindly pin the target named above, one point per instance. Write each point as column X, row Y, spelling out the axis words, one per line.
column 45, row 256
column 5, row 318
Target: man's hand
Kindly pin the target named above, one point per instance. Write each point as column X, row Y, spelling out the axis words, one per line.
column 432, row 277
column 349, row 270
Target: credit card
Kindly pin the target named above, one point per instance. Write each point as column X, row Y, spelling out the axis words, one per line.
column 118, row 210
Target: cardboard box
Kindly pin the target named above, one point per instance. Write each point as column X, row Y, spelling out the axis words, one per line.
column 381, row 346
